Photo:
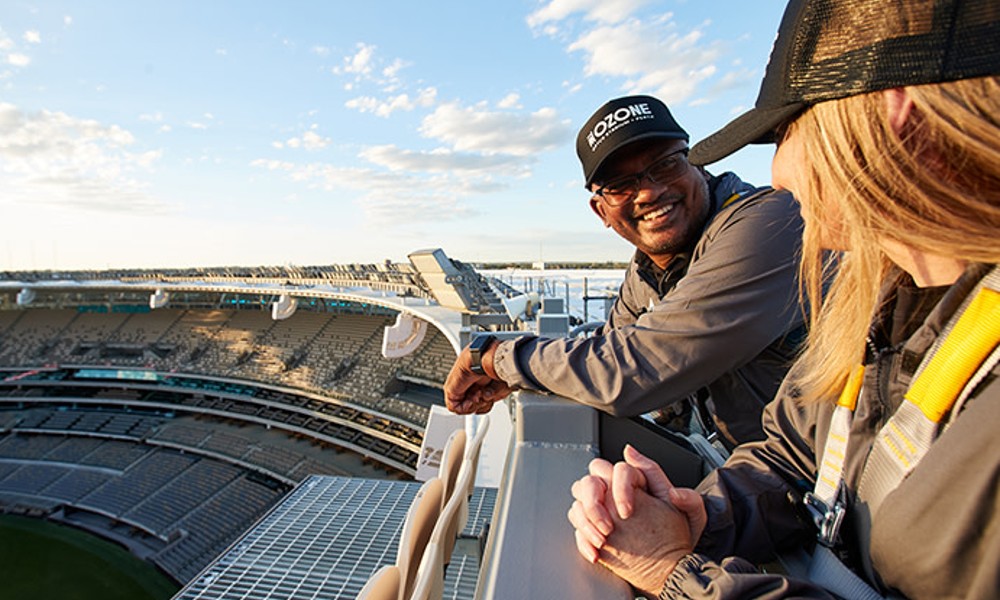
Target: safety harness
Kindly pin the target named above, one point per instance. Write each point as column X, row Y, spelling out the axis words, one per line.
column 964, row 353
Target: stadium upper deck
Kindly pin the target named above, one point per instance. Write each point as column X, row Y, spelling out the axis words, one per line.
column 432, row 287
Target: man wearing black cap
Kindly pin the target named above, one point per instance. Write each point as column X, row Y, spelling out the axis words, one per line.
column 881, row 459
column 708, row 307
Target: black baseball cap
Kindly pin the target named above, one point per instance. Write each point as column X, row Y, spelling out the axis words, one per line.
column 828, row 49
column 619, row 122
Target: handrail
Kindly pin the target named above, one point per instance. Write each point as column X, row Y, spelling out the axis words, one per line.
column 531, row 551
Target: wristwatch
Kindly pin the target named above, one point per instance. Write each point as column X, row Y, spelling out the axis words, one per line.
column 479, row 345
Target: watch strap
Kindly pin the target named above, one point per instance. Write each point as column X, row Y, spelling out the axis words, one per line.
column 478, row 346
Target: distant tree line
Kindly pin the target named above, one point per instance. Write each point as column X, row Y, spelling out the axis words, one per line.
column 608, row 264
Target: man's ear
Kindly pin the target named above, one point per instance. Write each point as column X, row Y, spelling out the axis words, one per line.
column 599, row 209
column 898, row 106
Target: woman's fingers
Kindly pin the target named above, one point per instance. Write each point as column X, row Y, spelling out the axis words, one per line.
column 656, row 481
column 589, row 494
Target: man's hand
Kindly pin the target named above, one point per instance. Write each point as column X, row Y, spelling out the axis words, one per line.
column 466, row 392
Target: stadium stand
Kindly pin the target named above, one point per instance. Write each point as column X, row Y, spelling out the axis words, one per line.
column 182, row 492
column 173, row 430
column 336, row 355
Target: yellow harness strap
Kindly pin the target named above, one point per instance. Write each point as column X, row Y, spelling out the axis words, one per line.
column 966, row 347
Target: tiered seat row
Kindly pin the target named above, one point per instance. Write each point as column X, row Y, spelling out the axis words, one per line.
column 208, row 531
column 369, row 434
column 334, row 354
column 36, row 337
column 120, row 495
column 163, row 509
column 106, row 424
column 194, row 505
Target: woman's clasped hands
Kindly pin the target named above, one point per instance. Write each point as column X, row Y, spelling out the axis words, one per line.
column 630, row 518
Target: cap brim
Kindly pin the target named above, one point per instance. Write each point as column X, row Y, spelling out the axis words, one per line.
column 752, row 127
column 643, row 136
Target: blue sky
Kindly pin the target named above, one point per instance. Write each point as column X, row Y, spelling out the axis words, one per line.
column 185, row 133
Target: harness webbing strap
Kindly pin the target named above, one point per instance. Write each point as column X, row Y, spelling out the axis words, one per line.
column 966, row 350
column 945, row 373
column 825, row 569
column 834, row 451
column 731, row 199
column 973, row 338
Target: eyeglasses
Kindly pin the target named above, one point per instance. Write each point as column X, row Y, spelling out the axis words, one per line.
column 664, row 171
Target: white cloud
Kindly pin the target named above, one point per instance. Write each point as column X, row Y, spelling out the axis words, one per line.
column 653, row 56
column 484, row 150
column 359, row 63
column 477, row 130
column 18, row 60
column 446, row 161
column 392, row 71
column 203, row 124
column 385, row 107
column 389, row 198
column 366, row 67
column 56, row 159
column 645, row 49
column 734, row 80
column 310, row 140
column 32, row 37
column 512, row 100
column 67, row 20
column 323, row 51
column 605, row 11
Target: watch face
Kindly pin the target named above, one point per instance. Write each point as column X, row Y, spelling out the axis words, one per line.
column 476, row 350
column 479, row 341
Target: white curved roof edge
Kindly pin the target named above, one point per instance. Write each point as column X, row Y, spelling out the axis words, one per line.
column 447, row 321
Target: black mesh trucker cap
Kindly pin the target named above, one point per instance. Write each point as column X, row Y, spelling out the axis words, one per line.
column 619, row 122
column 829, row 49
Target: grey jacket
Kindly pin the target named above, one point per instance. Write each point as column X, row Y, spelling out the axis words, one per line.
column 937, row 535
column 719, row 318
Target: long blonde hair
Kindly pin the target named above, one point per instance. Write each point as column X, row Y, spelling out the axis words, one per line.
column 935, row 188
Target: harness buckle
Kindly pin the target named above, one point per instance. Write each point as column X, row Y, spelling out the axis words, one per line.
column 828, row 519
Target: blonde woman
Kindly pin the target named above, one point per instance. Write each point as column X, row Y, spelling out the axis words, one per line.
column 880, row 472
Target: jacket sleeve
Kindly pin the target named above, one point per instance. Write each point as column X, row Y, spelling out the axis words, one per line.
column 754, row 511
column 739, row 295
column 699, row 578
column 754, row 503
column 625, row 309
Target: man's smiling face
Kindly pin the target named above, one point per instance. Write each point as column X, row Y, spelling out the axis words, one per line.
column 663, row 219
